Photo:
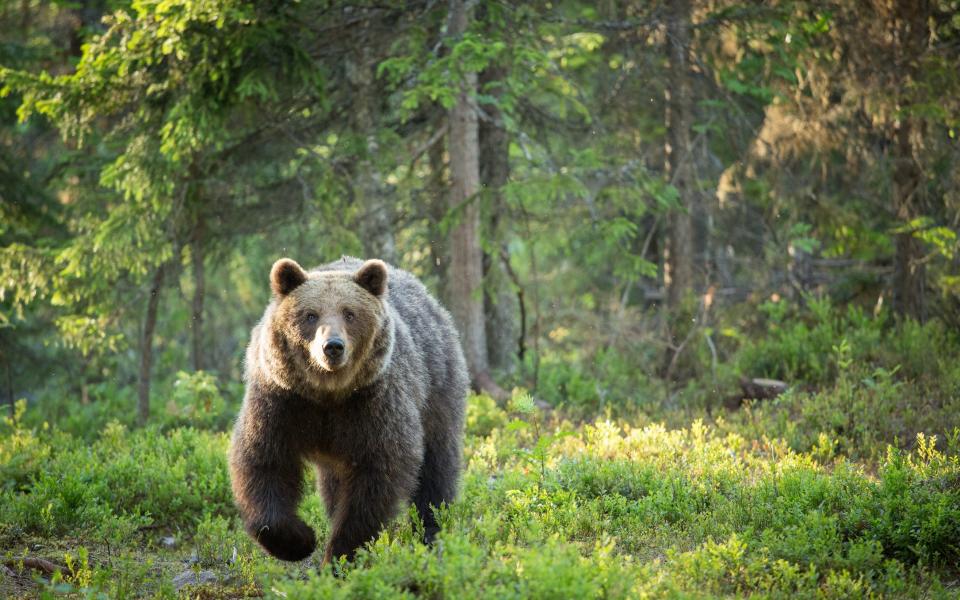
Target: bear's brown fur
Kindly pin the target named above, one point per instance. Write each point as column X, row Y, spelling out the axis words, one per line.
column 356, row 369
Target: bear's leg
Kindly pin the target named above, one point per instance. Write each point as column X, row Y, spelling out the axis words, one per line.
column 267, row 495
column 437, row 483
column 366, row 501
column 329, row 484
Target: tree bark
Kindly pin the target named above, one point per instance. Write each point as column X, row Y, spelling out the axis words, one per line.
column 465, row 267
column 678, row 259
column 197, row 255
column 499, row 300
column 369, row 190
column 146, row 346
column 909, row 274
column 910, row 36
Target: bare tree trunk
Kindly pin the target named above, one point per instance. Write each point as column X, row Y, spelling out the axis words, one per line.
column 369, row 190
column 146, row 346
column 465, row 268
column 910, row 31
column 197, row 255
column 909, row 274
column 499, row 300
column 679, row 117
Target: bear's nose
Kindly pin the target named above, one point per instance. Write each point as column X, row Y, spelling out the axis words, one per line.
column 333, row 348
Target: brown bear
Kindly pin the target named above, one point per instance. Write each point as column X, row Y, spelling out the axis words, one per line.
column 356, row 369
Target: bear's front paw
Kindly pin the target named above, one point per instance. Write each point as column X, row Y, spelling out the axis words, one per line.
column 292, row 540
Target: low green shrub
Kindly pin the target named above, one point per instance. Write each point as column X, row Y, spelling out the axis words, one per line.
column 62, row 484
column 807, row 346
column 547, row 510
column 857, row 416
column 848, row 485
column 607, row 381
column 189, row 399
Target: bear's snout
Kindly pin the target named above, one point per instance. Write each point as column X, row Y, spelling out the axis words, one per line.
column 333, row 349
column 330, row 350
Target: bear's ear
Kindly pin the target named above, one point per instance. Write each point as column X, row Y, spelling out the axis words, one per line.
column 372, row 277
column 286, row 276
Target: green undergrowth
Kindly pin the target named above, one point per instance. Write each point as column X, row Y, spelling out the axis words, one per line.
column 814, row 345
column 856, row 381
column 548, row 509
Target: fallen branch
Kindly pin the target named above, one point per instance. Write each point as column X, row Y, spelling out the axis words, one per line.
column 37, row 564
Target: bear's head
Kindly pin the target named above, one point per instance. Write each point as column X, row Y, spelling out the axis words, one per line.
column 330, row 326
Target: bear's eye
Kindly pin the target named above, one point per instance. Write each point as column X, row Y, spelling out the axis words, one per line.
column 348, row 316
column 310, row 317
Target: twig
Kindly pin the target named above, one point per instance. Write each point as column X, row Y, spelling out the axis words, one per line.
column 678, row 350
column 439, row 133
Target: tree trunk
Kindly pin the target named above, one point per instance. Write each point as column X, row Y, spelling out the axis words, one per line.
column 197, row 254
column 909, row 274
column 499, row 299
column 678, row 260
column 465, row 267
column 146, row 346
column 910, row 31
column 369, row 190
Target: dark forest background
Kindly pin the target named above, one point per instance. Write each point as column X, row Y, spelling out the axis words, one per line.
column 596, row 190
column 588, row 186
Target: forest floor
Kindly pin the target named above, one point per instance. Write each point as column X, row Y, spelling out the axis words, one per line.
column 548, row 509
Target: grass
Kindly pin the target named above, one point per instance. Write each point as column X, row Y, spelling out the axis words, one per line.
column 846, row 486
column 549, row 509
